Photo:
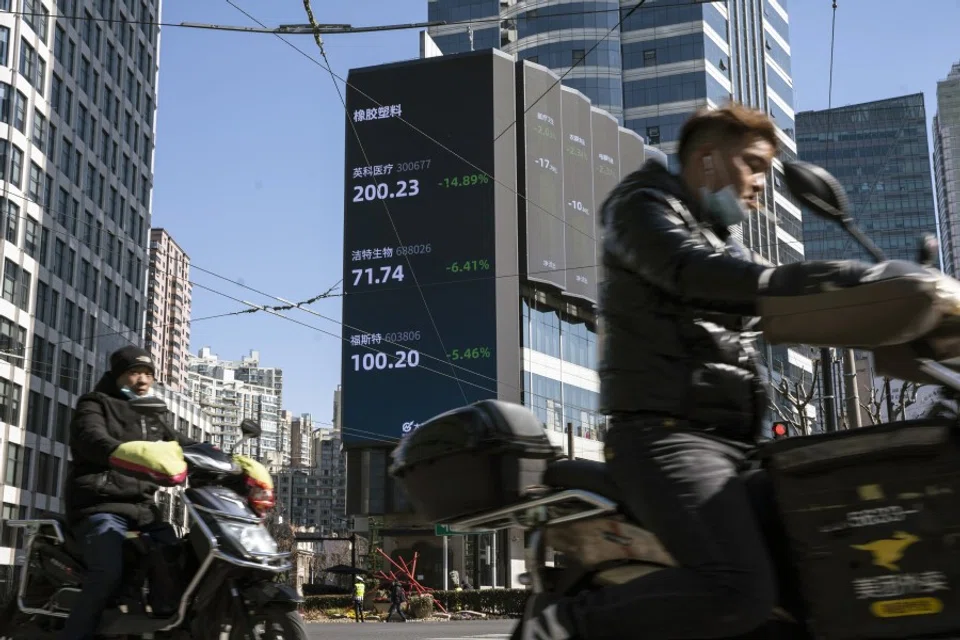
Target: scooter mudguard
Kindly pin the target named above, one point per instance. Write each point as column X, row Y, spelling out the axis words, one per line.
column 266, row 593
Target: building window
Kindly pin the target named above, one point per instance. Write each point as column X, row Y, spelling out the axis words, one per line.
column 11, row 221
column 649, row 57
column 28, row 61
column 578, row 55
column 11, row 275
column 4, row 46
column 20, row 112
column 18, row 462
column 13, row 340
column 31, row 239
column 11, row 537
column 10, row 403
column 653, row 135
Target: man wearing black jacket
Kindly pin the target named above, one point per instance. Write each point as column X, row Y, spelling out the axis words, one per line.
column 679, row 381
column 102, row 503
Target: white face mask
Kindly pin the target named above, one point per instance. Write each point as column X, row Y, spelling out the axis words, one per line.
column 723, row 207
column 131, row 394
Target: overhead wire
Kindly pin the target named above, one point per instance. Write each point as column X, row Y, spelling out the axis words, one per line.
column 326, row 65
column 583, row 58
column 385, row 206
column 334, row 29
column 440, row 145
column 335, row 77
column 66, row 235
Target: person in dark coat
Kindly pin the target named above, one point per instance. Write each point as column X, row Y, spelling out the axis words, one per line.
column 102, row 503
column 397, row 598
column 680, row 382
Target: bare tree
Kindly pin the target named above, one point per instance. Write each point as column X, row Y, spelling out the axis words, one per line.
column 281, row 531
column 908, row 397
column 799, row 395
column 874, row 407
column 878, row 401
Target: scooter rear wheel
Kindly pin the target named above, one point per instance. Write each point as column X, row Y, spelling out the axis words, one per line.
column 14, row 625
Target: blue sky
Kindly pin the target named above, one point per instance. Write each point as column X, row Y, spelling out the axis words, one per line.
column 249, row 176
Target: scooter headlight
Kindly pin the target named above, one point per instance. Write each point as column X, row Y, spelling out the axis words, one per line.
column 255, row 539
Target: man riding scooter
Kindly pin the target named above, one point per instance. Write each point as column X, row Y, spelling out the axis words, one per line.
column 103, row 503
column 679, row 381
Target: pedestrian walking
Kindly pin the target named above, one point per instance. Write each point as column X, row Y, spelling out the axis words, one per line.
column 397, row 598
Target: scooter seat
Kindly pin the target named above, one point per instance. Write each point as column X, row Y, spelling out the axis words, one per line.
column 581, row 474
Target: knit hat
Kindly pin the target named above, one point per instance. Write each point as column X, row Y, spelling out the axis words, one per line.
column 126, row 358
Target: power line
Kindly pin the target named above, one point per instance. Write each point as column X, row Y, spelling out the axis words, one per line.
column 326, row 29
column 319, row 41
column 393, row 356
column 573, row 66
column 66, row 235
column 329, row 69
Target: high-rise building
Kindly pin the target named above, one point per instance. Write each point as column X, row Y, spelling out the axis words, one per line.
column 331, row 468
column 301, row 441
column 946, row 167
column 79, row 100
column 879, row 152
column 232, row 391
column 652, row 72
column 169, row 299
column 284, row 425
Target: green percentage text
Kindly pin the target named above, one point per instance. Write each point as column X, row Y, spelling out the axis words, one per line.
column 467, row 180
column 470, row 353
column 467, row 266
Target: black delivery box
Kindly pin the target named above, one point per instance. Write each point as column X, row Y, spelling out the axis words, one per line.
column 472, row 460
column 873, row 520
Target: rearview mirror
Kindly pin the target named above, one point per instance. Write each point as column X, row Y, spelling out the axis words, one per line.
column 817, row 190
column 148, row 405
column 250, row 428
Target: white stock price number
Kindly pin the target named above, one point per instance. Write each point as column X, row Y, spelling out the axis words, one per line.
column 379, row 361
column 384, row 190
column 379, row 275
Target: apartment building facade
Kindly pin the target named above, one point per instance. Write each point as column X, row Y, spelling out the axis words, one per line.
column 78, row 89
column 169, row 301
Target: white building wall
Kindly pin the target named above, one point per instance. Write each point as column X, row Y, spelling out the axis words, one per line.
column 75, row 196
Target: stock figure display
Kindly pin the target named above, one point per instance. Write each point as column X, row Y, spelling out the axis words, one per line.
column 453, row 198
column 422, row 223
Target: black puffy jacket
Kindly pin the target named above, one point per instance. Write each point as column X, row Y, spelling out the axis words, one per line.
column 102, row 421
column 677, row 302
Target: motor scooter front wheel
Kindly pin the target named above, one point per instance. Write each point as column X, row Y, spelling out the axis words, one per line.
column 272, row 623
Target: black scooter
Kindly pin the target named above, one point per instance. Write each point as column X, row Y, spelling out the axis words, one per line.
column 228, row 559
column 575, row 511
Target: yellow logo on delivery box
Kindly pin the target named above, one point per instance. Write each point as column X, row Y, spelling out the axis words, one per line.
column 887, row 552
column 888, row 591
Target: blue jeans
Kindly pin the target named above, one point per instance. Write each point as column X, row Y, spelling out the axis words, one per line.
column 101, row 538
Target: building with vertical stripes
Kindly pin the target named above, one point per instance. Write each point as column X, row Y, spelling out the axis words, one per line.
column 78, row 96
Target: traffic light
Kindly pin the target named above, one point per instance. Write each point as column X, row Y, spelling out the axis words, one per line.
column 779, row 430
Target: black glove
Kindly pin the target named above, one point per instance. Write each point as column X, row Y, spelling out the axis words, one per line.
column 816, row 276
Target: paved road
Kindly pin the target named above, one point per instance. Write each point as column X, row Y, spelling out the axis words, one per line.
column 473, row 630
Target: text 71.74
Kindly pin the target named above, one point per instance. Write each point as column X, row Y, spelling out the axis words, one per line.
column 378, row 275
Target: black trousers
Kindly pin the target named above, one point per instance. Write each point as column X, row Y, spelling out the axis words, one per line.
column 358, row 609
column 688, row 489
column 395, row 606
column 101, row 536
